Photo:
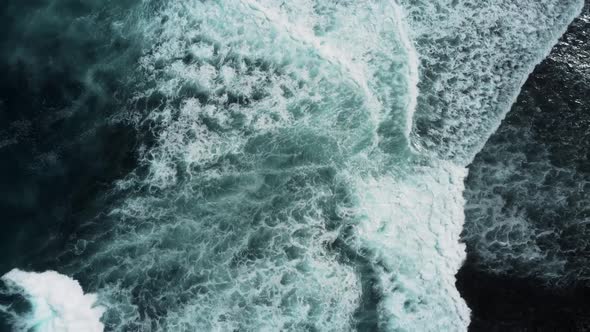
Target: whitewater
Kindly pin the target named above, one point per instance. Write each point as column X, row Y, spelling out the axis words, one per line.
column 301, row 166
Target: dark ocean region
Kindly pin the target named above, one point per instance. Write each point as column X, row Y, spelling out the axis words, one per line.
column 65, row 71
column 527, row 224
column 63, row 66
column 262, row 166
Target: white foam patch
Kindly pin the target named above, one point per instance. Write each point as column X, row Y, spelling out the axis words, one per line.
column 412, row 224
column 58, row 302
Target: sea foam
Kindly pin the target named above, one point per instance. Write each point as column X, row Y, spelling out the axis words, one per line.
column 58, row 303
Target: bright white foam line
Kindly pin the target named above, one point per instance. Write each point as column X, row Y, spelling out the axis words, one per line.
column 413, row 66
column 357, row 71
column 59, row 303
column 325, row 49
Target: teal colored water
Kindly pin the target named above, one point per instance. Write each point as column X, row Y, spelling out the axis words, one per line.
column 299, row 165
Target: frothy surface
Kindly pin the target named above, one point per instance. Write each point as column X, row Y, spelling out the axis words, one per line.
column 58, row 303
column 474, row 59
column 301, row 163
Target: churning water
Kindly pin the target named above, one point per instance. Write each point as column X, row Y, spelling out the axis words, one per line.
column 299, row 164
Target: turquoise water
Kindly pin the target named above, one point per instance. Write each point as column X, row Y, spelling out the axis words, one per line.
column 300, row 164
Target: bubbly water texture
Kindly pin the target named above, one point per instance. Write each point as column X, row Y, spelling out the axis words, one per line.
column 288, row 183
column 59, row 303
column 474, row 59
column 528, row 198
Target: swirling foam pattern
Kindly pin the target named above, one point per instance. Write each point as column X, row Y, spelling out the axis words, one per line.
column 292, row 177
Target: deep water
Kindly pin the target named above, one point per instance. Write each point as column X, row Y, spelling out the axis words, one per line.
column 263, row 165
column 528, row 198
column 62, row 67
column 61, row 64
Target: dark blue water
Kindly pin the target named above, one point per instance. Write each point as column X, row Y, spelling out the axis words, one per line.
column 63, row 77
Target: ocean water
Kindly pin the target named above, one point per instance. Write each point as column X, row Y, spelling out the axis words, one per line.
column 252, row 165
column 528, row 207
column 526, row 226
